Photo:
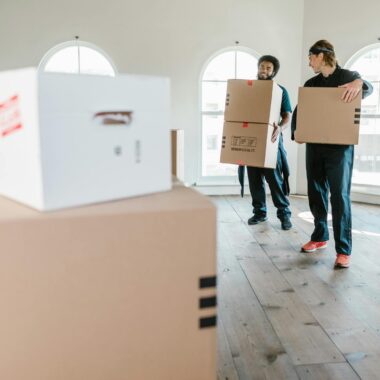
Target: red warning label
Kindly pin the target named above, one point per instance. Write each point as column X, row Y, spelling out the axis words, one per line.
column 10, row 117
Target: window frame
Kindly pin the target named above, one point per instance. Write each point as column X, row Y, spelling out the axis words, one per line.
column 215, row 180
column 75, row 43
column 367, row 189
column 352, row 60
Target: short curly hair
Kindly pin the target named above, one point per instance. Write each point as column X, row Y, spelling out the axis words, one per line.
column 273, row 60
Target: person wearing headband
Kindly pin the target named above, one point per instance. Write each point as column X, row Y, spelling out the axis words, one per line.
column 329, row 167
column 268, row 67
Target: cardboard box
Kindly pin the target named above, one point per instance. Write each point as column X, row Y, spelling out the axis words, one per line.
column 178, row 158
column 118, row 291
column 253, row 101
column 322, row 117
column 68, row 140
column 249, row 144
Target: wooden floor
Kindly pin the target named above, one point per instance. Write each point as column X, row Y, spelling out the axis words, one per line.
column 288, row 315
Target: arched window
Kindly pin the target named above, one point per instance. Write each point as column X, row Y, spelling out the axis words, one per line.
column 367, row 154
column 77, row 57
column 235, row 63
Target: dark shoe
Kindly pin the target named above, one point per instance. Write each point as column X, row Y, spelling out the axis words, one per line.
column 255, row 219
column 286, row 224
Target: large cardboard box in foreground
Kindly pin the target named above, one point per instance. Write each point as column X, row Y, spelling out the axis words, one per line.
column 249, row 144
column 68, row 140
column 118, row 291
column 253, row 101
column 322, row 117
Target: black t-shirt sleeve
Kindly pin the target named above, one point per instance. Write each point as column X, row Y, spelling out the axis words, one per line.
column 349, row 76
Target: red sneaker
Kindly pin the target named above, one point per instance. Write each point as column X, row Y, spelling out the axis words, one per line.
column 312, row 246
column 342, row 261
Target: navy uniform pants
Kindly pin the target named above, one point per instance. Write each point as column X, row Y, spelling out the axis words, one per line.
column 275, row 180
column 329, row 167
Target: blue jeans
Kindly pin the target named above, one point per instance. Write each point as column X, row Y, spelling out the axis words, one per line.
column 275, row 181
column 329, row 167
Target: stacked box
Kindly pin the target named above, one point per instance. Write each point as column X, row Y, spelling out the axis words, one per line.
column 252, row 106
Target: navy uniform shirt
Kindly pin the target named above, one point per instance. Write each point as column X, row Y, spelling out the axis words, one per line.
column 285, row 107
column 338, row 78
column 285, row 102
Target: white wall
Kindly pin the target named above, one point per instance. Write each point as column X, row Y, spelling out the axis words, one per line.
column 166, row 37
column 349, row 26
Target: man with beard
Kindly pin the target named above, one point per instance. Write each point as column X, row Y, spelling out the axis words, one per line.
column 268, row 67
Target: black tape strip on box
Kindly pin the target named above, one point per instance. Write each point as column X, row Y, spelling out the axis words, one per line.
column 207, row 322
column 205, row 302
column 207, row 282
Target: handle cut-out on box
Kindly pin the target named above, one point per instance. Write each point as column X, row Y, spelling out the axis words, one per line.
column 114, row 117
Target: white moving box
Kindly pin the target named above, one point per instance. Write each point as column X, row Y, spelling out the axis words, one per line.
column 68, row 140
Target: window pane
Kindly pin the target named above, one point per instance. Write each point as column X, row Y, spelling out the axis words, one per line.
column 367, row 154
column 212, row 142
column 64, row 61
column 221, row 68
column 246, row 66
column 214, row 96
column 211, row 145
column 92, row 62
column 371, row 104
column 368, row 64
